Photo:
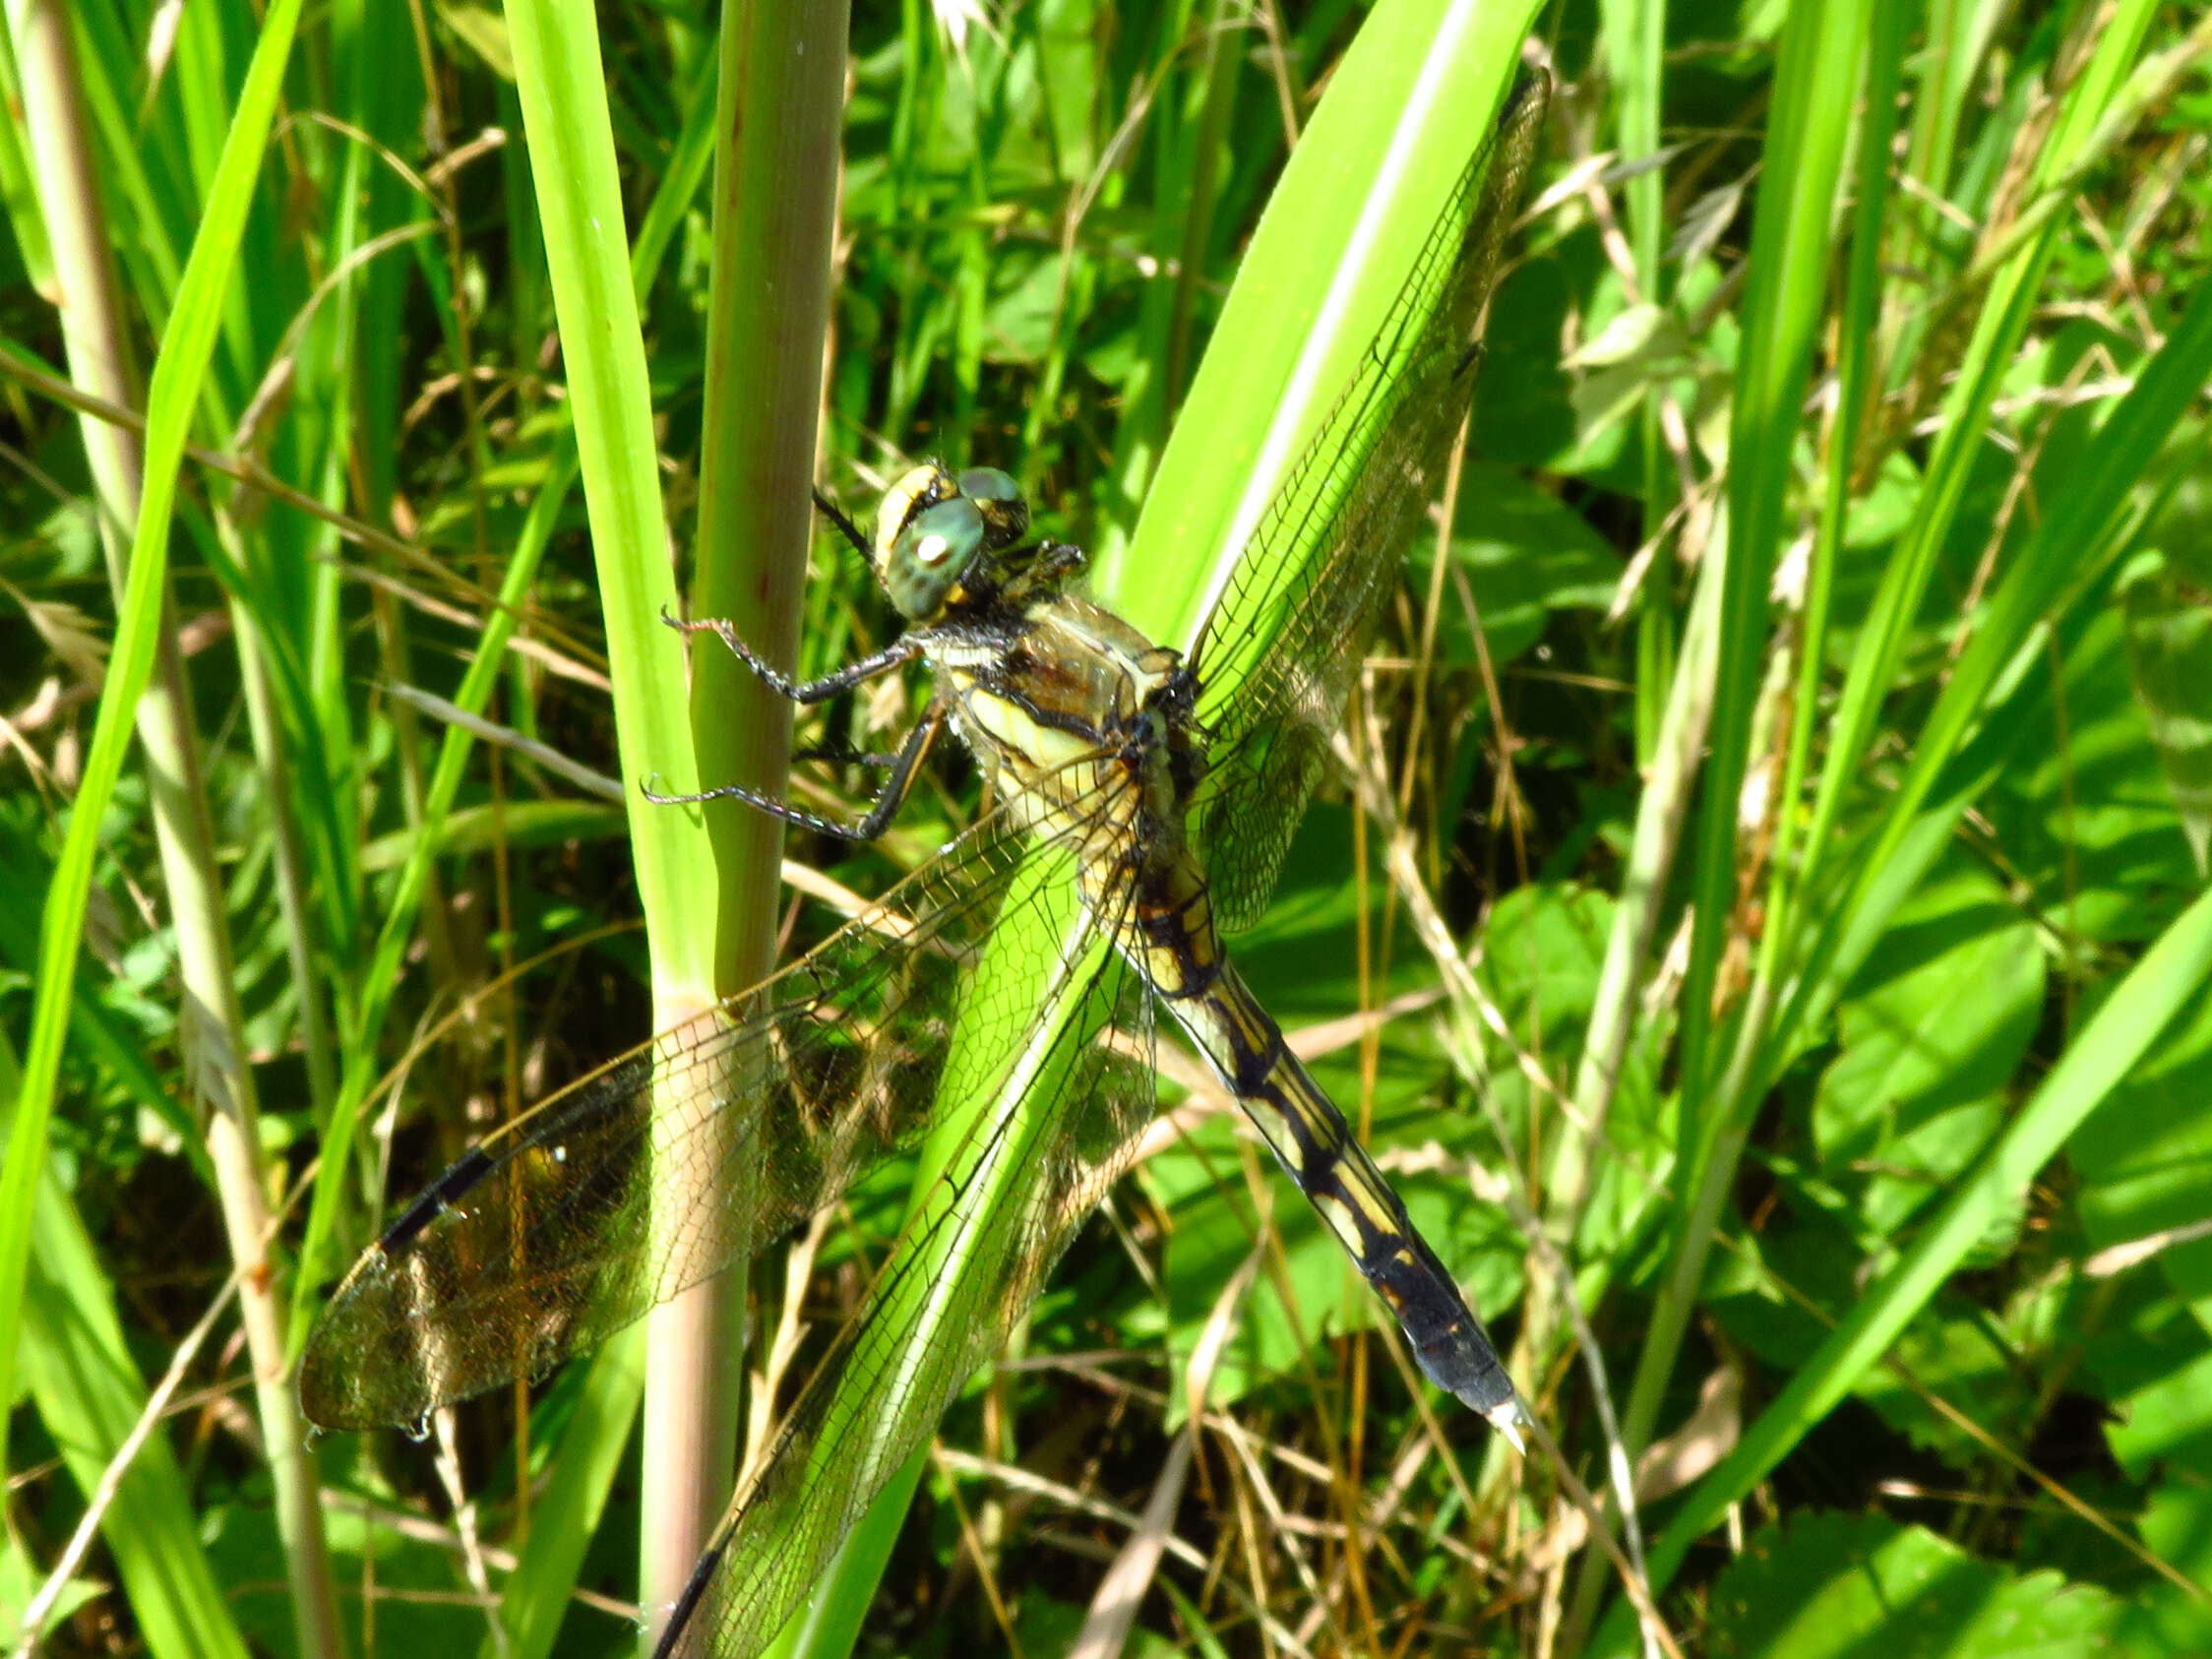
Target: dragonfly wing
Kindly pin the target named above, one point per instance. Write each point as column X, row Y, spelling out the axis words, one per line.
column 1063, row 1097
column 545, row 1240
column 1343, row 516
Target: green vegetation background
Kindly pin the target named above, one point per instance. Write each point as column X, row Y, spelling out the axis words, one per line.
column 1772, row 858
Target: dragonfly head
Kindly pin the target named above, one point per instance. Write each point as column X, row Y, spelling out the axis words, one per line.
column 937, row 531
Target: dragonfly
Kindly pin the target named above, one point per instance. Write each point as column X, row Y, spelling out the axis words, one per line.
column 1137, row 822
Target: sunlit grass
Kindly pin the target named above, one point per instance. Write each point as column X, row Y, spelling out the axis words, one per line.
column 1796, row 753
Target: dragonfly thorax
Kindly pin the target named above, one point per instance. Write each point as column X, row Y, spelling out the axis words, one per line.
column 942, row 536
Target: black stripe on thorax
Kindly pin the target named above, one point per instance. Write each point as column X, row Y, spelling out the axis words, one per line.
column 1051, row 719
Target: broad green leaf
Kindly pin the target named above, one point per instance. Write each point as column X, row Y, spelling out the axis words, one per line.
column 1526, row 555
column 1835, row 1587
column 1811, row 1246
column 2170, row 648
column 2146, row 1165
column 2090, row 823
column 2169, row 1418
column 2169, row 977
column 1541, row 952
column 1940, row 1018
column 1956, row 1353
column 2176, row 1525
column 2165, row 1429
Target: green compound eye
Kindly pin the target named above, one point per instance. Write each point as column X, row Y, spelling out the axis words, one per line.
column 989, row 484
column 1006, row 516
column 931, row 551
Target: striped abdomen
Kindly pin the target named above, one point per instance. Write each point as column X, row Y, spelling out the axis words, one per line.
column 1308, row 1135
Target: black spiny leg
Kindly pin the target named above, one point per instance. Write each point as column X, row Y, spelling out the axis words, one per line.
column 845, row 526
column 887, row 801
column 853, row 674
column 844, row 754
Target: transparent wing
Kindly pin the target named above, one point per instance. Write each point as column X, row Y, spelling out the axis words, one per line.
column 1062, row 1121
column 1355, row 499
column 544, row 1240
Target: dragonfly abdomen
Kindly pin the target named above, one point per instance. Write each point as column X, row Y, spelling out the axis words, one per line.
column 1172, row 914
column 1309, row 1136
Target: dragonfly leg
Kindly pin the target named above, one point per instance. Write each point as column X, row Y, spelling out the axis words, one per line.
column 1058, row 560
column 830, row 511
column 889, row 799
column 845, row 755
column 800, row 691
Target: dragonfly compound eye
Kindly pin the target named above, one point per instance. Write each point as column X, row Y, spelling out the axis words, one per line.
column 1006, row 515
column 929, row 552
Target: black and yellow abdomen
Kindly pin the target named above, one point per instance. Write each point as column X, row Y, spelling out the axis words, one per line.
column 1309, row 1136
